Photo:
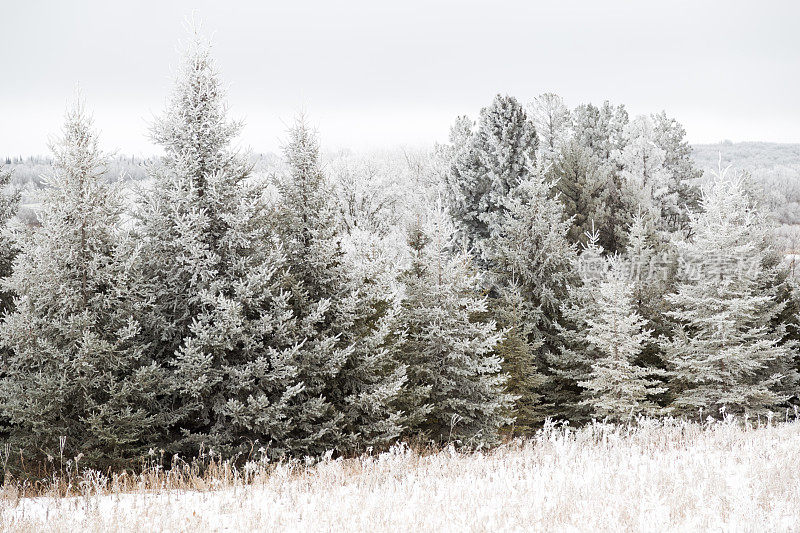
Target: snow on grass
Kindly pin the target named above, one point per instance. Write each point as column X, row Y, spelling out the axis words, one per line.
column 659, row 476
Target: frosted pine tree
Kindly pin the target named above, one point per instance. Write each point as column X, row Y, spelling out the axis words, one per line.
column 670, row 137
column 601, row 131
column 77, row 369
column 726, row 349
column 617, row 388
column 498, row 155
column 652, row 185
column 455, row 390
column 529, row 257
column 657, row 172
column 342, row 324
column 217, row 312
column 585, row 188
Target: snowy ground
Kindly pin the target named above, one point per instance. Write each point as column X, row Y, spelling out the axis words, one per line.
column 660, row 477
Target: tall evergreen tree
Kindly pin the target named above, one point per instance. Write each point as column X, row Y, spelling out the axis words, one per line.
column 652, row 269
column 601, row 131
column 76, row 378
column 343, row 326
column 644, row 177
column 670, row 136
column 531, row 265
column 455, row 383
column 498, row 155
column 585, row 188
column 726, row 349
column 573, row 364
column 217, row 315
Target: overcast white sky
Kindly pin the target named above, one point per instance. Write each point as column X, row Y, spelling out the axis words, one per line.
column 371, row 73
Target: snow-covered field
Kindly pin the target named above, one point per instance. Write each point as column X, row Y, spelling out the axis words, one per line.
column 661, row 476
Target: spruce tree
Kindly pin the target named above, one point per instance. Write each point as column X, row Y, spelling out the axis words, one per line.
column 572, row 364
column 652, row 270
column 455, row 390
column 520, row 349
column 343, row 326
column 77, row 378
column 531, row 265
column 497, row 156
column 584, row 187
column 726, row 349
column 216, row 311
column 617, row 388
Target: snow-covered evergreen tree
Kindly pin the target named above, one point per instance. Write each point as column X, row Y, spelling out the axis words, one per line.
column 644, row 177
column 670, row 136
column 726, row 349
column 652, row 264
column 657, row 173
column 617, row 388
column 342, row 324
column 77, row 368
column 601, row 131
column 572, row 364
column 585, row 188
column 520, row 349
column 455, row 390
column 368, row 193
column 217, row 312
column 488, row 166
column 529, row 257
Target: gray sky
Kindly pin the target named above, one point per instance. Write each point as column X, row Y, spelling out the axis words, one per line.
column 371, row 73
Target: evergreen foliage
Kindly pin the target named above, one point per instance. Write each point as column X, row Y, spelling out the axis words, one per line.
column 9, row 206
column 618, row 389
column 250, row 305
column 530, row 266
column 726, row 350
column 585, row 188
column 341, row 325
column 552, row 121
column 488, row 166
column 216, row 310
column 600, row 130
column 455, row 381
column 76, row 377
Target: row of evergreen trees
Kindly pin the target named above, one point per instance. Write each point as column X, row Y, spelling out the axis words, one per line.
column 219, row 312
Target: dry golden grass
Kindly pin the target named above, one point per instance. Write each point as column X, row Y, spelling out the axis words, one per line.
column 655, row 476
